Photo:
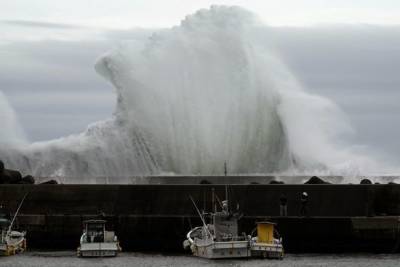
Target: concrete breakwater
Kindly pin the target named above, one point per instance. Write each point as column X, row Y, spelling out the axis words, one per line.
column 157, row 217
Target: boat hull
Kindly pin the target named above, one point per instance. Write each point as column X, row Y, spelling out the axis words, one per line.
column 9, row 250
column 98, row 250
column 264, row 250
column 222, row 250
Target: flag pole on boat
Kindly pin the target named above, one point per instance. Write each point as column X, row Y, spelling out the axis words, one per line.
column 16, row 213
column 201, row 216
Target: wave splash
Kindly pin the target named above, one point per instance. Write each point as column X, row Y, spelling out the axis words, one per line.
column 11, row 133
column 208, row 91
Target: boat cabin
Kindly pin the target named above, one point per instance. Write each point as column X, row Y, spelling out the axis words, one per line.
column 225, row 226
column 265, row 232
column 4, row 224
column 4, row 214
column 95, row 230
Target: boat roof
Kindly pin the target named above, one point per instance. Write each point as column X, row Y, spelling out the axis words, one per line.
column 265, row 222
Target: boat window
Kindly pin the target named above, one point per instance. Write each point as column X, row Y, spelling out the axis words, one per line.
column 95, row 232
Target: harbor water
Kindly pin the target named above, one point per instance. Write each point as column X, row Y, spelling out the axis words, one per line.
column 68, row 258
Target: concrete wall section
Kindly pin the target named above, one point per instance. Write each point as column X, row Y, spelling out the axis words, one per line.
column 157, row 217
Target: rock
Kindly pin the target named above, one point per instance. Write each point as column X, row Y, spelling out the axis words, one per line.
column 276, row 182
column 14, row 177
column 5, row 178
column 8, row 176
column 316, row 180
column 365, row 181
column 2, row 177
column 50, row 182
column 28, row 179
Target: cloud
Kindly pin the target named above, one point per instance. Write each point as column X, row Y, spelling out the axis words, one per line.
column 53, row 87
column 40, row 24
column 357, row 67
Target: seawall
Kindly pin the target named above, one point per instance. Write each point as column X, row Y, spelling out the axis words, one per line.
column 157, row 217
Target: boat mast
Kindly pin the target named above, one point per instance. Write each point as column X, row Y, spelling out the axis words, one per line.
column 227, row 198
column 226, row 186
column 214, row 204
column 225, row 169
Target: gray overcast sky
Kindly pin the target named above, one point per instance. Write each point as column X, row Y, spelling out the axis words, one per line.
column 348, row 52
column 156, row 13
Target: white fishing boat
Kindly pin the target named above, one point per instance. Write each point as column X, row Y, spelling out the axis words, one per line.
column 96, row 241
column 266, row 244
column 11, row 242
column 220, row 239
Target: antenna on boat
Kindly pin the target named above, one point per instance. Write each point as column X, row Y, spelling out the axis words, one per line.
column 225, row 169
column 227, row 197
column 214, row 205
column 201, row 216
column 226, row 186
column 16, row 213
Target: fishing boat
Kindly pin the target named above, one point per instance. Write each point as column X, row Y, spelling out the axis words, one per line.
column 11, row 242
column 96, row 241
column 266, row 244
column 220, row 238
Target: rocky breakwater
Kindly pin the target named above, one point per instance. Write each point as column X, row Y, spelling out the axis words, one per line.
column 8, row 176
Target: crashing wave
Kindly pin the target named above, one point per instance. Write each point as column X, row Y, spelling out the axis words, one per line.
column 208, row 91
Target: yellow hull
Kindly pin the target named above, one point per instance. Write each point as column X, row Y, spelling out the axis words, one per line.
column 10, row 250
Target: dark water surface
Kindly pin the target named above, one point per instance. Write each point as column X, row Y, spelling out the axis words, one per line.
column 68, row 258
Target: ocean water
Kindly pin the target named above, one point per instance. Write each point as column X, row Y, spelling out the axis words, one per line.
column 68, row 258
